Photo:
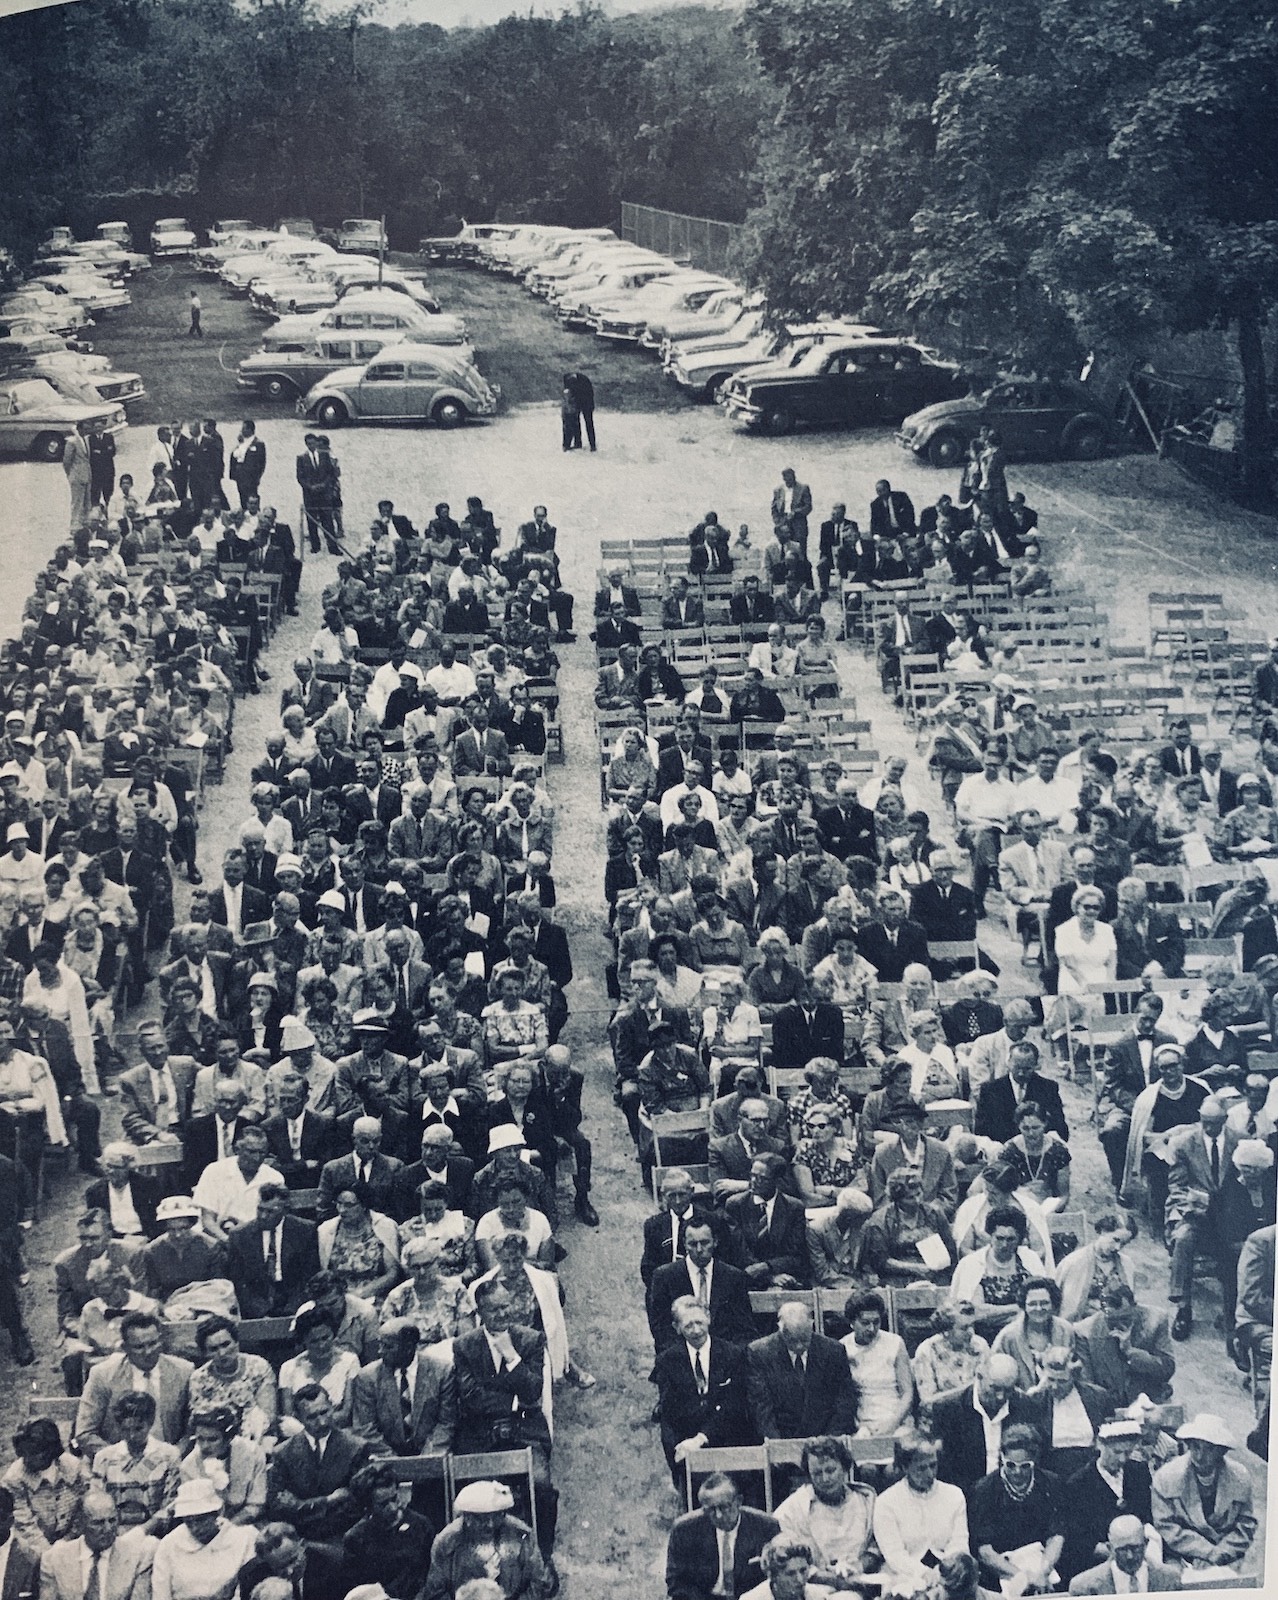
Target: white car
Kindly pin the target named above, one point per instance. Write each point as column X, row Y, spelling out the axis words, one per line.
column 58, row 311
column 715, row 315
column 576, row 310
column 223, row 229
column 625, row 318
column 172, row 236
column 378, row 311
column 94, row 292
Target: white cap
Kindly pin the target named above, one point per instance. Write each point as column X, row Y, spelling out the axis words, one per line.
column 295, row 1035
column 196, row 1498
column 505, row 1136
column 482, row 1497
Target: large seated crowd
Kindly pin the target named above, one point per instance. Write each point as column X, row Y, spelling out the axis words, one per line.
column 314, row 1321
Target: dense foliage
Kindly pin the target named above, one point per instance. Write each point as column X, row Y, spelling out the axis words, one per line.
column 132, row 107
column 1038, row 177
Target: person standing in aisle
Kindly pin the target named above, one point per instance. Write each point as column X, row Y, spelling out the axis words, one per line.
column 579, row 386
column 76, row 465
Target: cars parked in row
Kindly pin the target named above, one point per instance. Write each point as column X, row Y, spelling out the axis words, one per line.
column 77, row 375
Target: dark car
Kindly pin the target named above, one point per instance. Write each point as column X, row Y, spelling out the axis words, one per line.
column 1035, row 417
column 855, row 382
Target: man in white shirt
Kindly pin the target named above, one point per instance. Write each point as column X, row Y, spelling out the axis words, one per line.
column 386, row 679
column 984, row 804
column 228, row 1190
column 1054, row 798
column 693, row 775
column 452, row 680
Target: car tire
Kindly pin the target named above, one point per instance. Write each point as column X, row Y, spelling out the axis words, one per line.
column 331, row 413
column 778, row 421
column 48, row 447
column 945, row 449
column 449, row 414
column 711, row 391
column 1086, row 442
column 279, row 388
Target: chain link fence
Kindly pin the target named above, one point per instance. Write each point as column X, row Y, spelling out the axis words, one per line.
column 697, row 240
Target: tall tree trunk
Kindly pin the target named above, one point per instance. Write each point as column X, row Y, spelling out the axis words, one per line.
column 1255, row 442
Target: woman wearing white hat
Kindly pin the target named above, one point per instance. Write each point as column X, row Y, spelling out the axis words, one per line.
column 203, row 1556
column 1247, row 1201
column 485, row 1541
column 1203, row 1501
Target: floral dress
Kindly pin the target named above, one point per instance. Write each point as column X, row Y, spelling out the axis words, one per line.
column 834, row 1168
column 440, row 1316
column 1039, row 1173
column 357, row 1259
column 251, row 1390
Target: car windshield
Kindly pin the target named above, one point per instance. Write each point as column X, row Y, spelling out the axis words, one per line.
column 33, row 393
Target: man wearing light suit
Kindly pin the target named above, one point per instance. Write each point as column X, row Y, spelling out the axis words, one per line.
column 141, row 1364
column 124, row 1559
column 791, row 508
column 1029, row 869
column 1125, row 1348
column 378, row 1396
column 1199, row 1162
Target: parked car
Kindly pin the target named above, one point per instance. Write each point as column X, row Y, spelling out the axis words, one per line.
column 112, row 260
column 116, row 233
column 715, row 315
column 359, row 234
column 57, row 311
column 224, row 227
column 35, row 420
column 857, row 383
column 298, row 227
column 215, row 256
column 172, row 236
column 467, row 245
column 404, row 382
column 626, row 318
column 93, row 291
column 47, row 356
column 284, row 373
column 1036, row 417
column 576, row 309
column 382, row 311
column 702, row 366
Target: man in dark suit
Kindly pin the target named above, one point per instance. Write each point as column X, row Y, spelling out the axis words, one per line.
column 404, row 1379
column 960, row 1424
column 833, row 532
column 441, row 1163
column 319, row 480
column 1220, row 783
column 711, row 1281
column 1181, row 758
column 901, row 634
column 663, row 1233
column 369, row 799
column 945, row 910
column 299, row 1140
column 732, row 1158
column 694, row 1554
column 367, row 1165
column 680, row 609
column 791, row 508
column 500, row 1374
column 893, row 942
column 617, row 592
column 807, row 1027
column 756, row 902
column 1130, row 1066
column 329, row 769
column 891, row 511
column 1143, row 934
column 752, row 605
column 799, row 1381
column 771, row 1228
column 272, row 1259
column 1125, row 1348
column 701, row 1388
column 997, row 1101
column 248, row 463
column 212, row 1137
column 236, row 903
column 687, row 746
column 312, row 1569
column 311, row 1472
column 120, row 1175
column 847, row 829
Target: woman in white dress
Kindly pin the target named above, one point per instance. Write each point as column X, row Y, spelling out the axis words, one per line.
column 320, row 1361
column 1087, row 953
column 918, row 1520
column 880, row 1367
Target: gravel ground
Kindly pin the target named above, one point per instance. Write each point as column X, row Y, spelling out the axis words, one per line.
column 1120, row 528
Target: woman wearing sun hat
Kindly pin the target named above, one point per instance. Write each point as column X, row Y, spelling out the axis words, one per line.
column 203, row 1556
column 485, row 1541
column 1203, row 1501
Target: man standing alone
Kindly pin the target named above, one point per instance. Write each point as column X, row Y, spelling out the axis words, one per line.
column 195, row 331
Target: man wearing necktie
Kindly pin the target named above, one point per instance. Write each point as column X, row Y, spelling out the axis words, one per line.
column 318, row 477
column 1199, row 1158
column 715, row 1550
column 897, row 637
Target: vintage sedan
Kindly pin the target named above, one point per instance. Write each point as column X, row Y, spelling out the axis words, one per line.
column 172, row 236
column 1036, row 417
column 405, row 383
column 855, row 383
column 57, row 311
column 35, row 420
column 360, row 235
column 47, row 356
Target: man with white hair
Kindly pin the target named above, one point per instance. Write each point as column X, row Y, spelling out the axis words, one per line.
column 834, row 1241
column 1198, row 1160
column 1130, row 1568
column 970, row 1427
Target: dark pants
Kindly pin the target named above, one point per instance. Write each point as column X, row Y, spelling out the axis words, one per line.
column 588, row 422
column 323, row 519
column 582, row 1156
column 571, row 421
column 195, row 331
column 561, row 603
column 983, row 843
column 101, row 487
column 246, row 490
column 81, row 1114
column 1113, row 1138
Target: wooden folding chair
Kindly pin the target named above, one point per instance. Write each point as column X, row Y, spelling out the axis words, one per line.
column 906, row 1307
column 733, row 1459
column 670, row 1125
column 417, row 1469
column 1067, row 1226
column 953, row 950
column 260, row 1333
column 765, row 1304
column 463, row 1469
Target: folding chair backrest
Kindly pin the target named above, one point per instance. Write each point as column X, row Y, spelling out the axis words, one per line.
column 416, row 1469
column 463, row 1469
column 953, row 950
column 733, row 1459
column 765, row 1304
column 255, row 1332
column 699, row 1172
column 59, row 1408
